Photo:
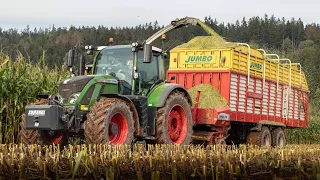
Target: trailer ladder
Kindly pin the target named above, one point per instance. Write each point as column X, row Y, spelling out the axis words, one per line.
column 285, row 104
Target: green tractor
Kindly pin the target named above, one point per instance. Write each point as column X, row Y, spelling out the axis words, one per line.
column 125, row 98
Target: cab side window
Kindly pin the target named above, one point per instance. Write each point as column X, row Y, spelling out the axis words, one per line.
column 149, row 72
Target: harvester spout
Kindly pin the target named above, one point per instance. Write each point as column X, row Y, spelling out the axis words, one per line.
column 178, row 23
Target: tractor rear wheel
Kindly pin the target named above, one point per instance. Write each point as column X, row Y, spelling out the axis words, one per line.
column 278, row 137
column 174, row 121
column 39, row 137
column 260, row 138
column 110, row 120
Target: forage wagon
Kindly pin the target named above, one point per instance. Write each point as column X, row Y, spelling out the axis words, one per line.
column 265, row 93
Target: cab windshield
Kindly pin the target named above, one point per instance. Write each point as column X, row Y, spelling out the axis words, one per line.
column 116, row 61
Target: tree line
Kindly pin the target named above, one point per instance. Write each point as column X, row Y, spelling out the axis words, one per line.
column 289, row 38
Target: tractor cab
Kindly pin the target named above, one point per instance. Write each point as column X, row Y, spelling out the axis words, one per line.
column 137, row 70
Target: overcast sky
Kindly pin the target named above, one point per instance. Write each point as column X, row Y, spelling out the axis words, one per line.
column 63, row 13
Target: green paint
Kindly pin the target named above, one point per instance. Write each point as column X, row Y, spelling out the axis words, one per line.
column 94, row 62
column 110, row 88
column 95, row 94
column 156, row 92
column 256, row 66
column 200, row 59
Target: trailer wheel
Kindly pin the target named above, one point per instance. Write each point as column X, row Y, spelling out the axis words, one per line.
column 260, row 138
column 174, row 121
column 110, row 120
column 29, row 137
column 278, row 137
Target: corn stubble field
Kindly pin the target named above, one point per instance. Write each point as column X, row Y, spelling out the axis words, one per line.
column 159, row 162
column 20, row 83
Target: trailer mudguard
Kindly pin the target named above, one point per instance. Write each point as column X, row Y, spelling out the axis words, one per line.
column 258, row 126
column 158, row 96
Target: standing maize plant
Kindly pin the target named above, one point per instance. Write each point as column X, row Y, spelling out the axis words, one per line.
column 308, row 135
column 20, row 83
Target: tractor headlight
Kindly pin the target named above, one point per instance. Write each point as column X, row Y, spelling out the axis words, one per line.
column 73, row 98
column 59, row 99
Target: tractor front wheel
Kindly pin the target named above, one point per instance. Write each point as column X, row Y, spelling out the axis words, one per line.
column 174, row 121
column 40, row 137
column 110, row 120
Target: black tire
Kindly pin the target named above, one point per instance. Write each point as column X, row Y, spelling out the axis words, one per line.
column 176, row 103
column 278, row 137
column 260, row 138
column 99, row 120
column 38, row 137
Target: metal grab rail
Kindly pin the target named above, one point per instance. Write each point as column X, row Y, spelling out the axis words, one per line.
column 278, row 60
column 264, row 68
column 288, row 94
column 249, row 55
column 298, row 64
column 286, row 59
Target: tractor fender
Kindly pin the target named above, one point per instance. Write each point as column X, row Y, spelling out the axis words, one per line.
column 159, row 96
column 138, row 131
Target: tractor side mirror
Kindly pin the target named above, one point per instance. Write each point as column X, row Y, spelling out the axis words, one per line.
column 70, row 58
column 82, row 64
column 147, row 53
column 165, row 56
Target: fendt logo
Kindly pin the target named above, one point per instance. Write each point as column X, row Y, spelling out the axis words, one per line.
column 36, row 112
column 198, row 59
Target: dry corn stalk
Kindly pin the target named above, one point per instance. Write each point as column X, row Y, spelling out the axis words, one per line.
column 159, row 161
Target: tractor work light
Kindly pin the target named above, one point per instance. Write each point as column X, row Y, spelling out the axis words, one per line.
column 89, row 52
column 89, row 47
column 73, row 98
